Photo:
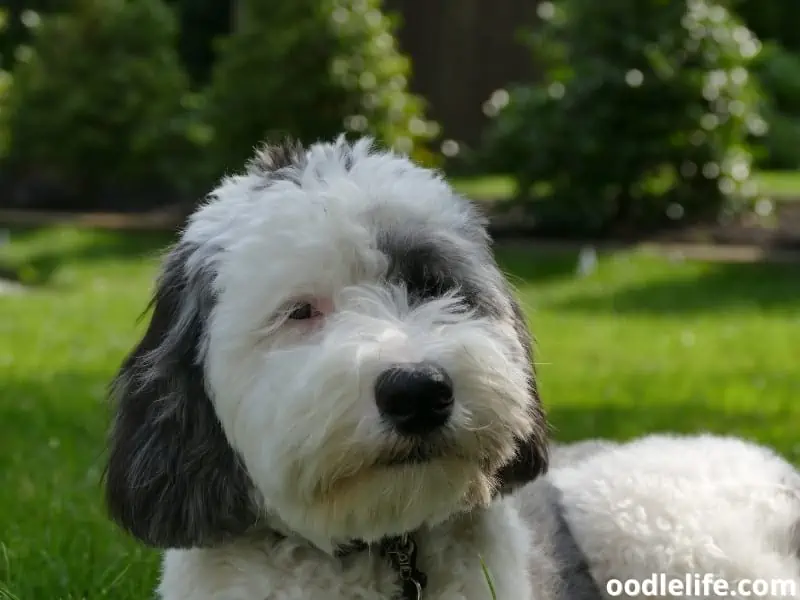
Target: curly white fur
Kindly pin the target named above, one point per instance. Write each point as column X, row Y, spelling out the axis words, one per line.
column 682, row 505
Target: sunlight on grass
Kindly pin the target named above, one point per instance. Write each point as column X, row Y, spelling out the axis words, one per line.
column 643, row 344
column 487, row 187
column 777, row 184
column 780, row 184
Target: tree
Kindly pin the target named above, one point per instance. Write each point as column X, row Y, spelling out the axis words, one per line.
column 638, row 125
column 311, row 69
column 119, row 123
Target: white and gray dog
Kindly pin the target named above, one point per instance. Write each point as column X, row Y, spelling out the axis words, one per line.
column 335, row 399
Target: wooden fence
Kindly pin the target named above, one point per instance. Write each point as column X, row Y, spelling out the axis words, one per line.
column 462, row 51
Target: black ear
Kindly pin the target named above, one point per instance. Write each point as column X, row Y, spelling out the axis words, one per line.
column 172, row 479
column 532, row 457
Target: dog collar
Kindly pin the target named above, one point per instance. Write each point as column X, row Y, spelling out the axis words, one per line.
column 401, row 552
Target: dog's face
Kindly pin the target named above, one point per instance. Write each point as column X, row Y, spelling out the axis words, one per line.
column 332, row 350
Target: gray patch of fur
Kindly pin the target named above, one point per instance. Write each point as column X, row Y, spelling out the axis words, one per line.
column 559, row 569
column 273, row 160
column 431, row 264
column 430, row 267
column 533, row 455
column 172, row 479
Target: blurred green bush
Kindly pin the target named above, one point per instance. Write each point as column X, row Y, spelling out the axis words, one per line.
column 101, row 113
column 5, row 84
column 778, row 71
column 17, row 30
column 98, row 106
column 642, row 120
column 774, row 21
column 200, row 23
column 311, row 69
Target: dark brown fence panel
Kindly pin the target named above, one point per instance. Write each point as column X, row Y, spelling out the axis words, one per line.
column 463, row 50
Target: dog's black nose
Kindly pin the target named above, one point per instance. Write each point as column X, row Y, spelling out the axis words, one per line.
column 416, row 398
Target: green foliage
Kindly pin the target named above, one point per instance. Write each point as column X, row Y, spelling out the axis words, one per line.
column 636, row 124
column 774, row 21
column 5, row 85
column 20, row 14
column 311, row 69
column 98, row 105
column 778, row 71
column 201, row 22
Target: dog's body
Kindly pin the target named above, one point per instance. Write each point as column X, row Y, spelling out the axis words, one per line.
column 678, row 505
column 335, row 398
column 606, row 511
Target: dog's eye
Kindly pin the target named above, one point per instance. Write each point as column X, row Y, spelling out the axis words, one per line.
column 304, row 311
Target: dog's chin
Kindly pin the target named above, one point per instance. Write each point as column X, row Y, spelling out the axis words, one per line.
column 405, row 493
column 418, row 453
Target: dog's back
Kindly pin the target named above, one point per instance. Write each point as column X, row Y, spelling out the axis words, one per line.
column 707, row 506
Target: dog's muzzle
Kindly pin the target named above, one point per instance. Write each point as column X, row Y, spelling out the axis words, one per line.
column 416, row 399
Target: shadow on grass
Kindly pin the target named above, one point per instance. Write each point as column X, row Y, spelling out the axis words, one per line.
column 46, row 254
column 624, row 422
column 70, row 405
column 523, row 267
column 723, row 286
column 52, row 513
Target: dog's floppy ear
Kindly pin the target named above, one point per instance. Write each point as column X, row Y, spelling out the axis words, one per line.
column 532, row 457
column 172, row 480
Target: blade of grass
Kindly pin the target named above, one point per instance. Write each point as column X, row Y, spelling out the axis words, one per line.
column 488, row 578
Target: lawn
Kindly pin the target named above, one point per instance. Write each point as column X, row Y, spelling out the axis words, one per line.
column 779, row 185
column 643, row 344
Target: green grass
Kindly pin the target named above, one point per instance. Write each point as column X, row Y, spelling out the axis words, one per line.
column 780, row 184
column 644, row 344
column 775, row 184
column 486, row 187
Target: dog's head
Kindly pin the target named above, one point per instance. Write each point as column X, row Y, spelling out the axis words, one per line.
column 332, row 348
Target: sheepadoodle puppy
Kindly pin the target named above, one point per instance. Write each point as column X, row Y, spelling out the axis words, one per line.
column 335, row 399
